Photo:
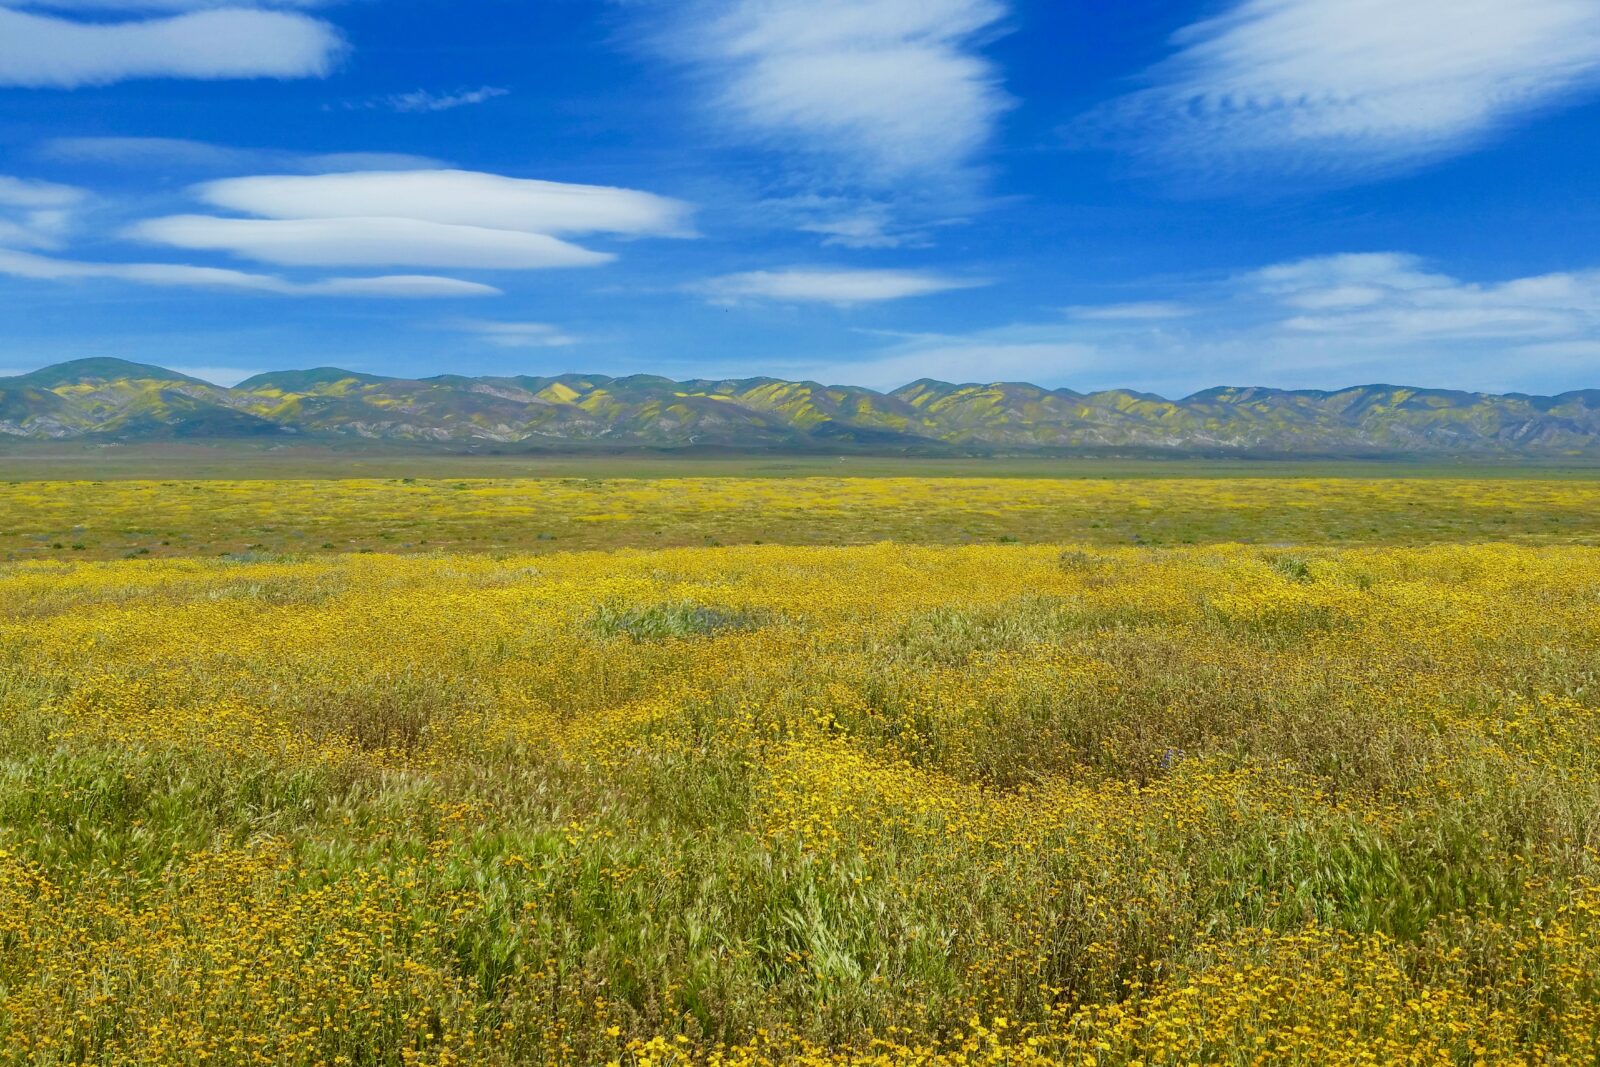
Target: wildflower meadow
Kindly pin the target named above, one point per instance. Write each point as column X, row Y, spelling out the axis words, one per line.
column 1309, row 797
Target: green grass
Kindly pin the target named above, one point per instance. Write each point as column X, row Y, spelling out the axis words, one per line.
column 229, row 459
column 657, row 622
column 251, row 518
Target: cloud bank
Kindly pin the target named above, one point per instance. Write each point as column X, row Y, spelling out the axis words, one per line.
column 46, row 52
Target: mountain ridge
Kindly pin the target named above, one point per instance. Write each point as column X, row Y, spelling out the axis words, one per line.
column 110, row 399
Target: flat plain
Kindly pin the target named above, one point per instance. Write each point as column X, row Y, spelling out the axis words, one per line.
column 682, row 765
column 682, row 506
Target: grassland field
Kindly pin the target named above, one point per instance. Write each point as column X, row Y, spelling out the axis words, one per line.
column 244, row 459
column 121, row 518
column 679, row 766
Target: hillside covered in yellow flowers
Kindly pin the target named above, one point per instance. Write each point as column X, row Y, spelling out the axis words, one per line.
column 112, row 400
column 1330, row 797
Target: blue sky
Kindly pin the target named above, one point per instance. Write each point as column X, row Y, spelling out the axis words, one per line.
column 1164, row 196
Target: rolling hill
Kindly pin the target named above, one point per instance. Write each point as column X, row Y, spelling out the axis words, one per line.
column 116, row 400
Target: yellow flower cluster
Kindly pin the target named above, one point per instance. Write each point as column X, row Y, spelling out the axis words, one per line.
column 877, row 805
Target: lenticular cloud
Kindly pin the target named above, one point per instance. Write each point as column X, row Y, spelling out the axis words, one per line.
column 420, row 218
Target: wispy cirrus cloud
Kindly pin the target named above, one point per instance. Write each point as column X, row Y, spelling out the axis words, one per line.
column 35, row 214
column 204, row 156
column 841, row 287
column 405, row 286
column 1339, row 90
column 29, row 193
column 422, row 101
column 43, row 51
column 845, row 221
column 884, row 93
column 516, row 334
column 1138, row 311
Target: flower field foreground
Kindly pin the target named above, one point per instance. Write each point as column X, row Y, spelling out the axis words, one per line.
column 757, row 805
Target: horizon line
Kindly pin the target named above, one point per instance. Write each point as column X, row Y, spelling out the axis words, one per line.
column 974, row 384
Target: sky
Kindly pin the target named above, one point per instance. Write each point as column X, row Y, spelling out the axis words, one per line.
column 1159, row 196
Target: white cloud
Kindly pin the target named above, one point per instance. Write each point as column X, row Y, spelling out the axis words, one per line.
column 1391, row 298
column 423, row 101
column 366, row 242
column 842, row 287
column 1356, row 273
column 1144, row 310
column 434, row 219
column 843, row 221
column 1324, row 322
column 421, row 218
column 517, row 334
column 861, row 230
column 1344, row 88
column 889, row 91
column 399, row 286
column 40, row 51
column 455, row 197
column 21, row 192
column 34, row 229
column 162, row 152
column 36, row 214
column 28, row 265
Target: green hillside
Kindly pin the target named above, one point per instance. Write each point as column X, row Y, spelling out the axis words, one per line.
column 114, row 399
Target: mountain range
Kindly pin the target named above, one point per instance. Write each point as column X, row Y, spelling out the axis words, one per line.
column 116, row 400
